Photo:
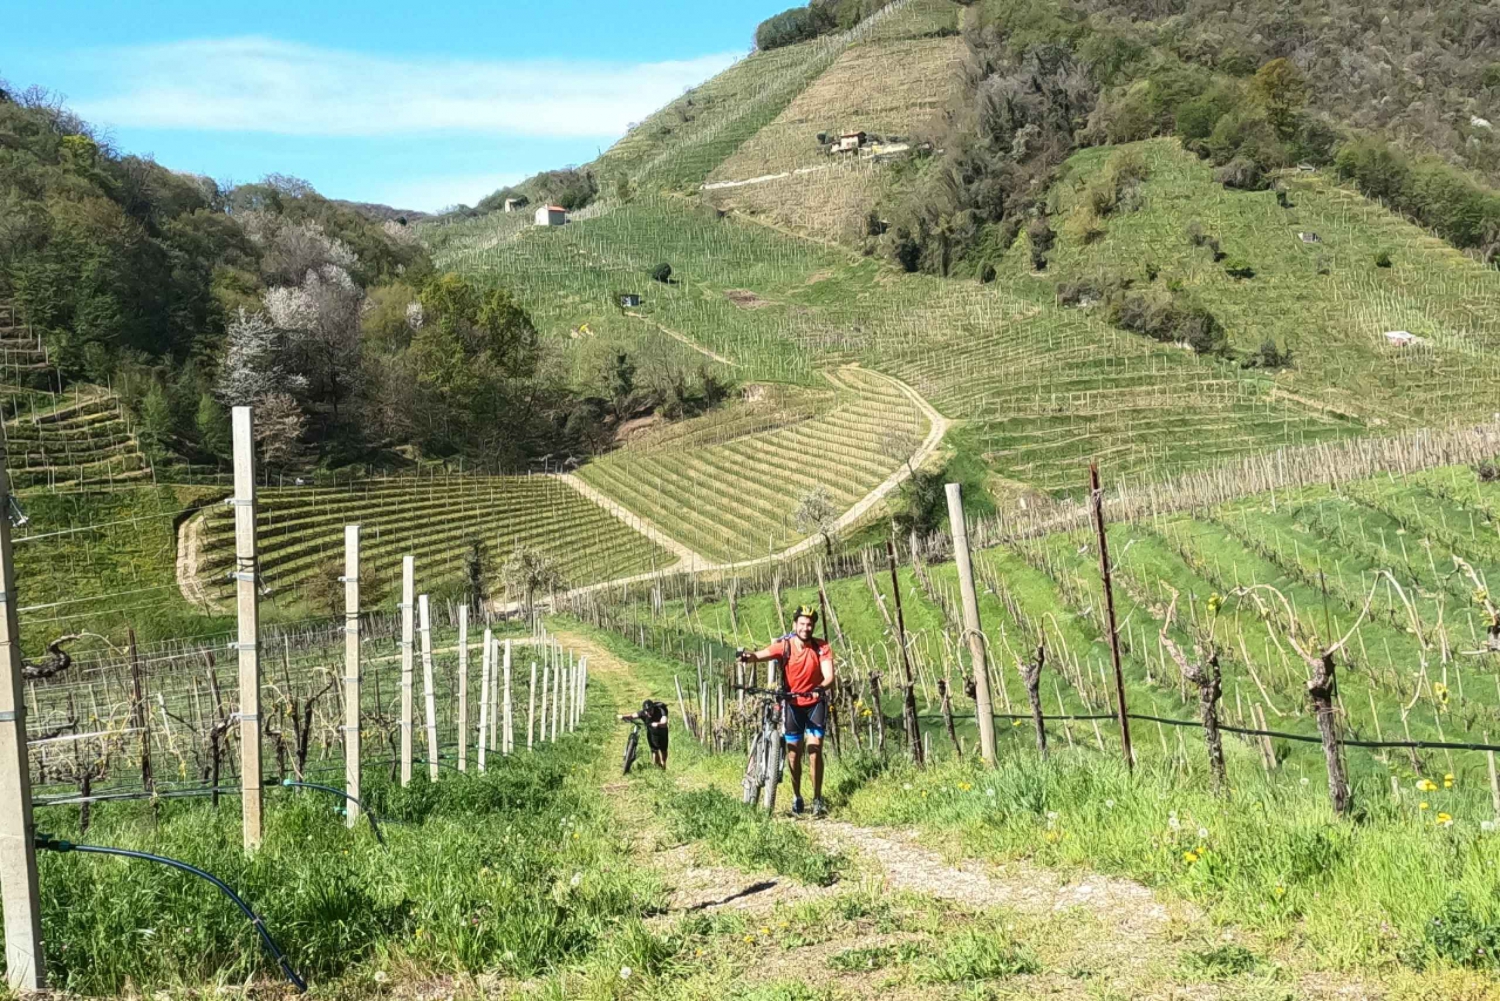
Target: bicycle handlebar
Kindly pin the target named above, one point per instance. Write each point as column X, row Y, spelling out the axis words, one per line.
column 753, row 690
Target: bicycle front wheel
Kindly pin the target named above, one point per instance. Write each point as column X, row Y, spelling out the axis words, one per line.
column 632, row 745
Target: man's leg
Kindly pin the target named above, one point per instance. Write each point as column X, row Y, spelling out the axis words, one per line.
column 794, row 765
column 815, row 764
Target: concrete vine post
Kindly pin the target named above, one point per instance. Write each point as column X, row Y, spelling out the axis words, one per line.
column 909, row 696
column 1031, row 677
column 983, row 705
column 351, row 670
column 484, row 700
column 1209, row 682
column 429, row 693
column 247, row 605
column 463, row 687
column 20, row 892
column 531, row 708
column 507, row 729
column 408, row 627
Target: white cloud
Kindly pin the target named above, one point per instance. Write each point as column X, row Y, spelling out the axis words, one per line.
column 265, row 85
column 430, row 194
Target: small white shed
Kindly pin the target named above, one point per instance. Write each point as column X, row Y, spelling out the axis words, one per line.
column 551, row 215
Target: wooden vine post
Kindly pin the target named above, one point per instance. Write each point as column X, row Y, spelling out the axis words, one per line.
column 408, row 588
column 1031, row 677
column 1096, row 497
column 1209, row 682
column 351, row 670
column 140, row 712
column 909, row 696
column 247, row 604
column 19, row 890
column 984, row 707
column 429, row 694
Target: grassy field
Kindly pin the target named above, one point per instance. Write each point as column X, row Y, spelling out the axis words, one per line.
column 736, row 499
column 437, row 520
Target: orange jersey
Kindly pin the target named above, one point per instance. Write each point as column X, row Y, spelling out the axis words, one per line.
column 802, row 665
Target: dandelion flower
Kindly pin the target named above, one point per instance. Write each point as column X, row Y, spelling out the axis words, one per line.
column 1422, row 805
column 1190, row 857
column 1444, row 820
column 1448, row 781
column 381, row 976
column 1487, row 826
column 625, row 972
column 1426, row 785
column 1202, row 834
column 1051, row 814
column 1109, row 804
column 990, row 793
column 1279, row 892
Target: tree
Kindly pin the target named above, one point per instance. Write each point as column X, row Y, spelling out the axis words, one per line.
column 1282, row 90
column 622, row 385
column 322, row 319
column 818, row 514
column 156, row 433
column 279, row 426
column 476, row 572
column 257, row 362
column 662, row 273
column 212, row 424
column 528, row 571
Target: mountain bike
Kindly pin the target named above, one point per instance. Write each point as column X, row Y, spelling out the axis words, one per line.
column 767, row 758
column 632, row 745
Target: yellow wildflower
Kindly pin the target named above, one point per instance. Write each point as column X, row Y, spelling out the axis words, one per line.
column 1190, row 857
column 1444, row 820
column 1279, row 892
column 1448, row 781
column 1422, row 806
column 1426, row 785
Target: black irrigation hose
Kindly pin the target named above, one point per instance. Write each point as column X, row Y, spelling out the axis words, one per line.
column 291, row 784
column 1436, row 745
column 48, row 843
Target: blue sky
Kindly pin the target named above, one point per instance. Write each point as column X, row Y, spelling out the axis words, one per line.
column 419, row 105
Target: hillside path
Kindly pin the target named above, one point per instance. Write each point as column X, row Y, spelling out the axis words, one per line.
column 683, row 553
column 685, row 339
column 1096, row 935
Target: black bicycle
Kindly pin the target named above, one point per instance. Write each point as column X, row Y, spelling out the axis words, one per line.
column 767, row 757
column 632, row 746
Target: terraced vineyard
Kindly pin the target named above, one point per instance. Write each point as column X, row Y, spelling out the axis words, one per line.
column 301, row 532
column 80, row 440
column 736, row 499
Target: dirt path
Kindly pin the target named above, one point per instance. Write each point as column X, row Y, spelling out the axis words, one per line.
column 189, row 545
column 685, row 339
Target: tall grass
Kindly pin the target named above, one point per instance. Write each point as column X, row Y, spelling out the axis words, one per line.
column 517, row 871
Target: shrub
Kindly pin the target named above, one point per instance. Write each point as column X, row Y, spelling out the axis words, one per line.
column 1268, row 356
column 1458, row 935
column 1042, row 236
column 1242, row 173
column 1383, row 259
column 1488, row 472
column 662, row 273
column 800, row 24
column 1171, row 318
column 1084, row 225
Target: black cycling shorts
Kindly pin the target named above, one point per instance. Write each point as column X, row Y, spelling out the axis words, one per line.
column 797, row 720
column 656, row 738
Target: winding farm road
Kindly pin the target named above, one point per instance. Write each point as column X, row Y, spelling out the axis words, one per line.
column 688, row 560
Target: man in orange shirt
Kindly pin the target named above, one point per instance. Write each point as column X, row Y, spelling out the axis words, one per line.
column 806, row 675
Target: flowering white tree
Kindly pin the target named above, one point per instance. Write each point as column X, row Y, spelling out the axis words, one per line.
column 291, row 249
column 256, row 364
column 322, row 320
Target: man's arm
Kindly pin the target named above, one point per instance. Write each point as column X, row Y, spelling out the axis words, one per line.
column 759, row 656
column 826, row 664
